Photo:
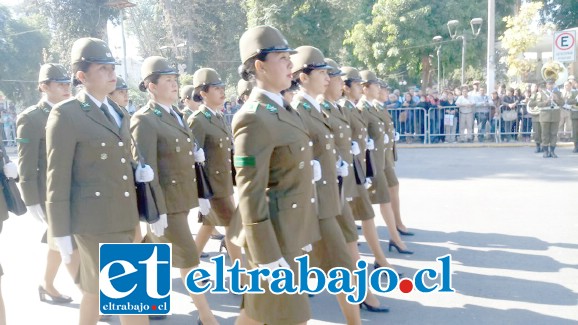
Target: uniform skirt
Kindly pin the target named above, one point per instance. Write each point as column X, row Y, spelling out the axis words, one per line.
column 347, row 224
column 185, row 254
column 331, row 251
column 361, row 205
column 88, row 249
column 222, row 211
column 391, row 177
column 269, row 308
column 379, row 189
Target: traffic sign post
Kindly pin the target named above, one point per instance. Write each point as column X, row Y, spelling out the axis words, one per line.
column 564, row 47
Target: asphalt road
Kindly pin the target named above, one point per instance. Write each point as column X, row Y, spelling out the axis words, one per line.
column 508, row 217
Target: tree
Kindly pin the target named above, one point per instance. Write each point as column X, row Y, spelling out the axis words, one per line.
column 21, row 46
column 69, row 20
column 563, row 13
column 397, row 41
column 517, row 38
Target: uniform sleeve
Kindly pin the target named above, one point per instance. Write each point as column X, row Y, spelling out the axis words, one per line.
column 253, row 150
column 145, row 135
column 198, row 130
column 60, row 148
column 28, row 138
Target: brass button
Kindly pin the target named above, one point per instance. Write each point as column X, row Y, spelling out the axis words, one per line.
column 190, row 153
column 188, row 139
column 120, row 144
column 311, row 143
column 97, row 193
column 173, row 181
column 124, row 177
column 302, row 148
column 312, row 200
column 126, row 194
column 122, row 160
column 217, row 172
column 177, row 140
column 294, row 205
column 103, row 144
column 324, row 182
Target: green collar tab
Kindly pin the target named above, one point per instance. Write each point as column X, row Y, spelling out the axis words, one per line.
column 271, row 108
column 85, row 106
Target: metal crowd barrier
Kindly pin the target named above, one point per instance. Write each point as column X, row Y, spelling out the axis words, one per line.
column 411, row 123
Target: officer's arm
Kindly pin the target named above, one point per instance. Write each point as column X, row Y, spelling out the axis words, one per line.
column 28, row 138
column 145, row 135
column 253, row 151
column 60, row 149
column 198, row 130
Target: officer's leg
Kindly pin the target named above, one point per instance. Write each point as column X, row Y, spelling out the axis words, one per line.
column 553, row 140
column 575, row 134
column 546, row 138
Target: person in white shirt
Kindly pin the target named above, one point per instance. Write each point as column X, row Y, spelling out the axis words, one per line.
column 466, row 110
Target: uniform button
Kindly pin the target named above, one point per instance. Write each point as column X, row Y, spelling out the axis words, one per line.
column 229, row 160
column 326, row 136
column 217, row 172
column 331, row 136
column 311, row 143
column 228, row 149
column 324, row 182
column 334, row 151
column 349, row 138
column 190, row 153
column 302, row 148
column 194, row 179
column 294, row 205
column 227, row 138
column 192, row 166
column 103, row 144
column 328, row 146
column 301, row 165
column 120, row 144
column 124, row 177
column 359, row 136
column 347, row 126
column 173, row 181
column 340, row 127
column 97, row 193
column 126, row 194
column 188, row 139
column 122, row 160
column 312, row 200
column 177, row 140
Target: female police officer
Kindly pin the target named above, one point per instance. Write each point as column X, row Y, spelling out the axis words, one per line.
column 166, row 143
column 272, row 159
column 90, row 184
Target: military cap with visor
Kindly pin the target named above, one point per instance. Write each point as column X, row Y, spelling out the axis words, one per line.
column 187, row 92
column 350, row 74
column 121, row 84
column 206, row 77
column 91, row 50
column 334, row 70
column 368, row 77
column 244, row 87
column 156, row 65
column 308, row 57
column 262, row 39
column 52, row 72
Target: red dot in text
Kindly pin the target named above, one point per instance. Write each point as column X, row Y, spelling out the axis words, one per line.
column 405, row 285
column 154, row 307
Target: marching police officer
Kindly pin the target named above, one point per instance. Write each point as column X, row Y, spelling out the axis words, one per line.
column 54, row 84
column 272, row 159
column 213, row 134
column 190, row 106
column 90, row 182
column 571, row 104
column 167, row 144
column 310, row 71
column 120, row 94
column 244, row 88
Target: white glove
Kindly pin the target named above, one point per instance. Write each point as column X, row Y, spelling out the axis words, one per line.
column 10, row 170
column 396, row 136
column 307, row 248
column 355, row 148
column 158, row 228
column 367, row 183
column 144, row 174
column 566, row 106
column 65, row 247
column 370, row 144
column 199, row 154
column 385, row 138
column 280, row 263
column 204, row 206
column 37, row 213
column 342, row 168
column 316, row 170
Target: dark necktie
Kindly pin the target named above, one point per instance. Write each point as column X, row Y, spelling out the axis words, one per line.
column 104, row 110
column 174, row 114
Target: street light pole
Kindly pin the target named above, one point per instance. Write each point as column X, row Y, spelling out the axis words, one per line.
column 476, row 24
column 437, row 40
column 490, row 65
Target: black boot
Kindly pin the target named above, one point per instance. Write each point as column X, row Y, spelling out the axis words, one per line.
column 552, row 154
column 538, row 148
column 575, row 147
column 546, row 152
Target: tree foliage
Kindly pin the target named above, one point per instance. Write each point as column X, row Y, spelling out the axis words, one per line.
column 21, row 45
column 563, row 13
column 517, row 38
